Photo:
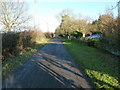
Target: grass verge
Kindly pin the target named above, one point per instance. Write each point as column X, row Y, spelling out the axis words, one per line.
column 100, row 67
column 12, row 64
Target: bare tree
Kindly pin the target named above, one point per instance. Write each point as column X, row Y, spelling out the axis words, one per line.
column 12, row 14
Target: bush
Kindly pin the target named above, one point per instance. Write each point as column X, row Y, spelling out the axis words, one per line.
column 9, row 43
column 90, row 42
column 14, row 43
column 36, row 35
column 76, row 34
column 94, row 43
column 49, row 35
column 60, row 35
column 98, row 44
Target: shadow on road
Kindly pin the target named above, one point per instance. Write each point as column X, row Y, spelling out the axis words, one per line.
column 62, row 72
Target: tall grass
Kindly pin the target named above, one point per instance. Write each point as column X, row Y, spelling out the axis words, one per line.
column 101, row 67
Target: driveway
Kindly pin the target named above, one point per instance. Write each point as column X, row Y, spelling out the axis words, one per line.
column 51, row 67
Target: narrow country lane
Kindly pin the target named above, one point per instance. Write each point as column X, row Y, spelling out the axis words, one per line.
column 51, row 67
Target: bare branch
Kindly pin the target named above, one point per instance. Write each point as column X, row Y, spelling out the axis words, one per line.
column 12, row 14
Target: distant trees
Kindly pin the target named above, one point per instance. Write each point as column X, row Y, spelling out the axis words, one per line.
column 66, row 20
column 106, row 24
column 12, row 14
column 69, row 24
column 66, row 24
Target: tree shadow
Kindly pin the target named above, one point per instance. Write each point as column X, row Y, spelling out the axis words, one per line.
column 64, row 81
column 62, row 66
column 61, row 71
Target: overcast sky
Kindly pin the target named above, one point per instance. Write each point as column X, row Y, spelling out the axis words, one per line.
column 47, row 10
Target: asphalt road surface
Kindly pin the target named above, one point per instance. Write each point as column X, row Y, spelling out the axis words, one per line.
column 51, row 67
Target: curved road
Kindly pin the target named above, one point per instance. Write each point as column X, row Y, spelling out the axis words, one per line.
column 51, row 67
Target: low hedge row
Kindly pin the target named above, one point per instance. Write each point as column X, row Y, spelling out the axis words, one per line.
column 15, row 43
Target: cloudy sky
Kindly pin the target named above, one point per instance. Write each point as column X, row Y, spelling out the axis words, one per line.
column 45, row 11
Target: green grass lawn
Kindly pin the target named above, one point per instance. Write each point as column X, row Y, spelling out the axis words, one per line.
column 12, row 64
column 102, row 68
